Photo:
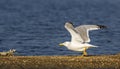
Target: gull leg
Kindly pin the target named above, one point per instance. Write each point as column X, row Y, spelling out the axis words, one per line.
column 84, row 52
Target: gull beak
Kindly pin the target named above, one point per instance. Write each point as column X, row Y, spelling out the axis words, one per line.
column 61, row 44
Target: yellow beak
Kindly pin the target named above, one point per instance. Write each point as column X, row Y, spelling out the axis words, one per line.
column 61, row 44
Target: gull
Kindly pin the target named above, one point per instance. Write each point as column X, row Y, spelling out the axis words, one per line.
column 80, row 37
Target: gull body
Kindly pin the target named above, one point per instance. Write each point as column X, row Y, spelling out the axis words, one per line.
column 77, row 46
column 80, row 37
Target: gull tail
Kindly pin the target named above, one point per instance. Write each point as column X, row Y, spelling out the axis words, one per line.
column 94, row 46
column 89, row 45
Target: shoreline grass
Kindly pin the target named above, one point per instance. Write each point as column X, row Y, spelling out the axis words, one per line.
column 60, row 62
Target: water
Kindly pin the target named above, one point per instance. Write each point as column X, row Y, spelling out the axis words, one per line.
column 36, row 27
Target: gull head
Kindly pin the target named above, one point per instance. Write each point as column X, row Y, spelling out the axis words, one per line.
column 65, row 44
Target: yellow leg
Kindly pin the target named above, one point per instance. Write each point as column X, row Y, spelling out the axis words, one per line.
column 84, row 52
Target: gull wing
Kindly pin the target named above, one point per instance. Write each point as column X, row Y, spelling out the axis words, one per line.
column 74, row 35
column 83, row 31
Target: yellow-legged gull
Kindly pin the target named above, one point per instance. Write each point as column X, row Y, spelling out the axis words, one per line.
column 80, row 37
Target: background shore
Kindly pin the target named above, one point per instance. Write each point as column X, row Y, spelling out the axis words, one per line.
column 60, row 62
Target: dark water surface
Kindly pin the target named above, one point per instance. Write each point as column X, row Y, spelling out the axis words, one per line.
column 36, row 27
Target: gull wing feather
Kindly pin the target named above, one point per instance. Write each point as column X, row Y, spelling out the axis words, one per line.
column 75, row 36
column 83, row 31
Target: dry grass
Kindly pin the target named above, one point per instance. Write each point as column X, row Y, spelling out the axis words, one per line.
column 60, row 62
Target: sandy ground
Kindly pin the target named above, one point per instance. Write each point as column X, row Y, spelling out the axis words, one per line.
column 60, row 62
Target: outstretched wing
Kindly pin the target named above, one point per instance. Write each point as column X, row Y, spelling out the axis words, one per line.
column 74, row 35
column 83, row 31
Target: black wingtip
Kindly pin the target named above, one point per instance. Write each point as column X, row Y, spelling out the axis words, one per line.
column 69, row 23
column 102, row 26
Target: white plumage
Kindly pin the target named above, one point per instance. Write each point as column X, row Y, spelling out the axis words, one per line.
column 80, row 37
